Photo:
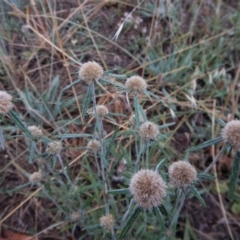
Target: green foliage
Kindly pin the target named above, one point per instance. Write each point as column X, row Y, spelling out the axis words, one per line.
column 234, row 175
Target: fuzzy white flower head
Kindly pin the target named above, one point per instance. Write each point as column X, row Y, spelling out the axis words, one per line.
column 6, row 104
column 36, row 177
column 107, row 222
column 93, row 146
column 149, row 131
column 231, row 134
column 54, row 147
column 148, row 188
column 182, row 174
column 136, row 84
column 90, row 72
column 102, row 110
column 35, row 131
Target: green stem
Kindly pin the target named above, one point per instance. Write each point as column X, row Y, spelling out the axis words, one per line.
column 64, row 170
column 178, row 207
column 147, row 154
column 214, row 161
column 139, row 153
column 102, row 152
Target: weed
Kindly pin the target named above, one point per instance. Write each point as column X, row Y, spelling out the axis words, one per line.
column 79, row 160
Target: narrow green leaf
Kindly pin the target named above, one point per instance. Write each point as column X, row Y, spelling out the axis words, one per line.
column 144, row 117
column 160, row 217
column 149, row 94
column 160, row 164
column 166, row 125
column 53, row 89
column 163, row 210
column 91, row 227
column 29, row 102
column 204, row 176
column 11, row 191
column 31, row 150
column 221, row 122
column 129, row 222
column 112, row 141
column 59, row 104
column 126, row 133
column 234, row 175
column 136, row 108
column 80, row 135
column 120, row 86
column 198, row 196
column 2, row 142
column 71, row 85
column 20, row 124
column 115, row 75
column 87, row 100
column 206, row 144
column 119, row 191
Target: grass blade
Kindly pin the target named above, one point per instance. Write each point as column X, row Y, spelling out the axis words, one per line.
column 129, row 223
column 136, row 110
column 2, row 142
column 160, row 165
column 160, row 217
column 119, row 191
column 80, row 135
column 163, row 210
column 206, row 144
column 20, row 124
column 198, row 196
column 234, row 175
column 87, row 100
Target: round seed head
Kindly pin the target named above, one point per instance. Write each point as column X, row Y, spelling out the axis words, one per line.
column 54, row 147
column 149, row 131
column 35, row 131
column 107, row 222
column 90, row 72
column 5, row 102
column 148, row 188
column 36, row 177
column 102, row 110
column 136, row 84
column 74, row 216
column 182, row 174
column 93, row 146
column 231, row 134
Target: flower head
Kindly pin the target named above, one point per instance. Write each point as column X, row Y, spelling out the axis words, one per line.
column 231, row 134
column 35, row 131
column 136, row 84
column 149, row 131
column 102, row 110
column 75, row 216
column 182, row 174
column 36, row 177
column 5, row 102
column 148, row 188
column 93, row 146
column 90, row 72
column 54, row 147
column 107, row 222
